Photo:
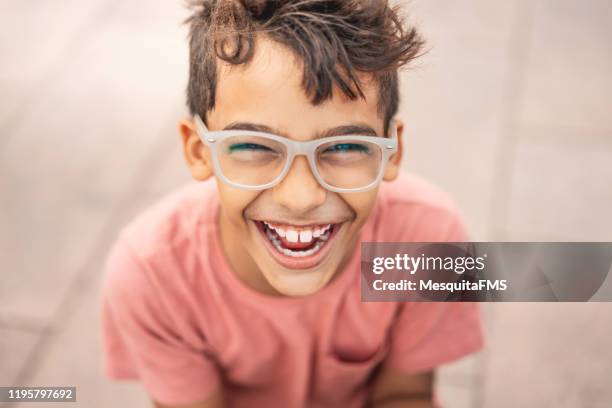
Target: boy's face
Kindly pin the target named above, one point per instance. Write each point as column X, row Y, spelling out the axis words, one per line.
column 268, row 93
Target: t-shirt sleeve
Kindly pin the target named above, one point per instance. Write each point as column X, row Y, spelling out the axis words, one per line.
column 429, row 334
column 142, row 341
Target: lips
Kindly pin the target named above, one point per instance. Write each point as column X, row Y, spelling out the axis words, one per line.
column 292, row 238
column 297, row 247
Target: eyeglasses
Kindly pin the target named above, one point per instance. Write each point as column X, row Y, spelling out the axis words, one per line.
column 252, row 160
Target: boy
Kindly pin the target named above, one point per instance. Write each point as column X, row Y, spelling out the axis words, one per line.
column 244, row 290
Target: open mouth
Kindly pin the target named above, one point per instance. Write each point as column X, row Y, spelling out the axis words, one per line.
column 298, row 247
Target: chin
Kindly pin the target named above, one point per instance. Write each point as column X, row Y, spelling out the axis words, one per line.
column 292, row 284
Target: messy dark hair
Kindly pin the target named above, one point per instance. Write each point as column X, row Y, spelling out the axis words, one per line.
column 335, row 39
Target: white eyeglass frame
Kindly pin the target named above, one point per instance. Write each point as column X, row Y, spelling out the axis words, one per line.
column 294, row 148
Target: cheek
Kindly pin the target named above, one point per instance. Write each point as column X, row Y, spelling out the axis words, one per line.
column 234, row 201
column 361, row 204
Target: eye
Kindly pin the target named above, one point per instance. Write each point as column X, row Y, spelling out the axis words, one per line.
column 245, row 147
column 347, row 147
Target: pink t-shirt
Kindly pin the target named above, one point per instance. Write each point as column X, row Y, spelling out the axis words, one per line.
column 176, row 317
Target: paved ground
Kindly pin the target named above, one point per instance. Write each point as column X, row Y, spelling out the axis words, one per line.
column 510, row 111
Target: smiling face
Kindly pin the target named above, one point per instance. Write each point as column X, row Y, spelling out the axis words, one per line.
column 293, row 238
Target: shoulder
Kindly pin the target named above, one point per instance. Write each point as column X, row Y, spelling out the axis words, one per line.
column 412, row 190
column 413, row 209
column 175, row 217
column 157, row 250
column 154, row 255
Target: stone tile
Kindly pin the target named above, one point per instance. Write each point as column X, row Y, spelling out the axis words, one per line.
column 169, row 174
column 470, row 30
column 47, row 34
column 13, row 96
column 49, row 28
column 561, row 192
column 454, row 396
column 457, row 154
column 77, row 336
column 73, row 357
column 82, row 146
column 559, row 134
column 568, row 80
column 549, row 355
column 54, row 35
column 462, row 372
column 454, row 99
column 15, row 348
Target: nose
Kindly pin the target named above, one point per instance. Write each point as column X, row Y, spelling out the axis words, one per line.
column 299, row 191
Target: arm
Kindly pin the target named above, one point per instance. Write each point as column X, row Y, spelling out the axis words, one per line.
column 397, row 390
column 215, row 401
column 143, row 341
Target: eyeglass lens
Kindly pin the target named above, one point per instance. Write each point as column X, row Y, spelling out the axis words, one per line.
column 254, row 161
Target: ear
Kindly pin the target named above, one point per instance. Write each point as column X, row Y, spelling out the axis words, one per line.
column 395, row 161
column 197, row 155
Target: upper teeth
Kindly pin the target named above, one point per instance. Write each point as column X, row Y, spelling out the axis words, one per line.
column 292, row 236
column 303, row 235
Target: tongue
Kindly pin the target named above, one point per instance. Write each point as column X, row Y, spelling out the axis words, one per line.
column 297, row 245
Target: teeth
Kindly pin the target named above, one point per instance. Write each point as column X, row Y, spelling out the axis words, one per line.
column 320, row 231
column 296, row 254
column 306, row 236
column 288, row 252
column 292, row 236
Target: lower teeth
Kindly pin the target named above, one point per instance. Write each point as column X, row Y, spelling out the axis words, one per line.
column 297, row 254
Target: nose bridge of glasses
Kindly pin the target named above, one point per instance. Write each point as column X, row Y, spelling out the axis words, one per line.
column 299, row 148
column 302, row 148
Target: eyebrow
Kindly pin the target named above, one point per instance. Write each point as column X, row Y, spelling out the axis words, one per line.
column 353, row 129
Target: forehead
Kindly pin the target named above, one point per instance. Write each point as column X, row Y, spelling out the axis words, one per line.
column 268, row 90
